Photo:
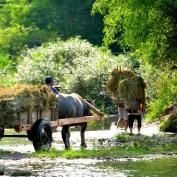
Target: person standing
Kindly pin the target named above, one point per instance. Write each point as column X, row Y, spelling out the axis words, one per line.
column 132, row 91
column 123, row 117
column 113, row 88
column 122, row 114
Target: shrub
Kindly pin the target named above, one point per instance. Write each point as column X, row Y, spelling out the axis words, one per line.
column 77, row 65
column 163, row 95
column 6, row 70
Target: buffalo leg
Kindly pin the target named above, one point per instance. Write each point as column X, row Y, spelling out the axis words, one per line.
column 82, row 131
column 68, row 137
column 65, row 136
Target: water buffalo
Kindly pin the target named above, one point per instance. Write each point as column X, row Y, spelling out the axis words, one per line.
column 70, row 106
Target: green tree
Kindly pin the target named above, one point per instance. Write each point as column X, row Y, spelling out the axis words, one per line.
column 15, row 33
column 29, row 23
column 147, row 28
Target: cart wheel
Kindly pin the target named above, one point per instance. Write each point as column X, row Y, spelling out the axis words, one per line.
column 41, row 135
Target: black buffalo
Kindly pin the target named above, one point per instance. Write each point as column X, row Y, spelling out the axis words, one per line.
column 70, row 106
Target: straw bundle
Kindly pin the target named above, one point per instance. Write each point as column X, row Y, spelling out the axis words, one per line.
column 23, row 98
column 132, row 90
column 116, row 76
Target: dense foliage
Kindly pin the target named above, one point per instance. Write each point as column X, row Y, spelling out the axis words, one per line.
column 80, row 67
column 76, row 65
column 29, row 23
column 161, row 89
column 147, row 28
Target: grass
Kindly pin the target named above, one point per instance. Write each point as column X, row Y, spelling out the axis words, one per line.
column 131, row 146
column 14, row 140
column 3, row 152
column 123, row 137
column 113, row 152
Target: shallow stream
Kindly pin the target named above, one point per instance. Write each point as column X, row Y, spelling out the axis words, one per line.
column 159, row 167
column 162, row 167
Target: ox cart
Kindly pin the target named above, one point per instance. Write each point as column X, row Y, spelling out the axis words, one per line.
column 39, row 124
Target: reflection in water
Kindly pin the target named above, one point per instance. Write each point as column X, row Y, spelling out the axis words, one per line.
column 152, row 168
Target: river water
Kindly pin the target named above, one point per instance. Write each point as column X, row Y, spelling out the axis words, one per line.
column 162, row 167
column 159, row 166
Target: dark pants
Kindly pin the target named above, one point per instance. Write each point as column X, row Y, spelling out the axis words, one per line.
column 132, row 117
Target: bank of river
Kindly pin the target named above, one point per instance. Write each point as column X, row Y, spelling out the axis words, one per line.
column 150, row 165
column 23, row 145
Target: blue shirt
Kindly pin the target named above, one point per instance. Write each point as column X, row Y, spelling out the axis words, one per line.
column 54, row 90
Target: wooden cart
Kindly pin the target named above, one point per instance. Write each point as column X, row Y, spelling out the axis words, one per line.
column 39, row 124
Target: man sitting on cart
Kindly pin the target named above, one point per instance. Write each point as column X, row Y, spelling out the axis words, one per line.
column 49, row 82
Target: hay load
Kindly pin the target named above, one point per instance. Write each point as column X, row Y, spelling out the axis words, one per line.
column 116, row 76
column 132, row 91
column 23, row 98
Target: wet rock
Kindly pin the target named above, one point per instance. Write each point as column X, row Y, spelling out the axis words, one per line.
column 101, row 141
column 10, row 171
column 138, row 140
column 2, row 167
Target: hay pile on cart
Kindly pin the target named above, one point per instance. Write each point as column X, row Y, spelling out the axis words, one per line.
column 21, row 98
